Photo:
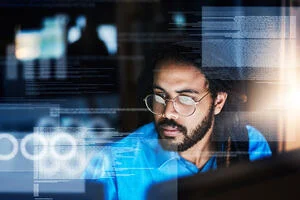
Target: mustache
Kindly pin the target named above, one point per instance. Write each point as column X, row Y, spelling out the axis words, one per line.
column 171, row 122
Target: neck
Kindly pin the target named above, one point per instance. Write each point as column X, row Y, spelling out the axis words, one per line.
column 201, row 152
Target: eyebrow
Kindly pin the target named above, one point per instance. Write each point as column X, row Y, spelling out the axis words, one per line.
column 178, row 91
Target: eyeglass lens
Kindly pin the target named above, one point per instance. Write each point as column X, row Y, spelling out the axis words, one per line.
column 184, row 105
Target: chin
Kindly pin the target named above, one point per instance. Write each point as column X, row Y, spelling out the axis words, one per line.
column 178, row 144
column 170, row 144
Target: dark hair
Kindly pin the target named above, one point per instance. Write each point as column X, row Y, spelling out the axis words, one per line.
column 180, row 54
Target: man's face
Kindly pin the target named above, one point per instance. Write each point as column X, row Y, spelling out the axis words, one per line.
column 177, row 132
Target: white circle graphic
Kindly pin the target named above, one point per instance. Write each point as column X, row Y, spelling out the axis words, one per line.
column 61, row 141
column 75, row 166
column 34, row 137
column 14, row 142
column 48, row 167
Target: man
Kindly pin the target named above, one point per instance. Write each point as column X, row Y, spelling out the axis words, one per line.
column 187, row 136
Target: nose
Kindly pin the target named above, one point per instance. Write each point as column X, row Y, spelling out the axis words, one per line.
column 170, row 111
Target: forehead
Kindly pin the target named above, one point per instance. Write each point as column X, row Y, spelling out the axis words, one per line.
column 173, row 77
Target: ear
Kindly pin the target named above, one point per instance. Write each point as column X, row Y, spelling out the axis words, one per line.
column 219, row 102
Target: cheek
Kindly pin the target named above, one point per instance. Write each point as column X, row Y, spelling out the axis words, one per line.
column 157, row 118
column 191, row 122
column 204, row 108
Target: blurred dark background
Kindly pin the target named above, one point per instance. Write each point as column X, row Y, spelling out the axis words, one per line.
column 89, row 63
column 83, row 67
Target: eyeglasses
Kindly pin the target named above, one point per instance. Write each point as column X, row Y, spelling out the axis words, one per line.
column 184, row 105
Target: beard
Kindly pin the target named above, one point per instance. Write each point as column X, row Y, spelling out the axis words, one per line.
column 189, row 140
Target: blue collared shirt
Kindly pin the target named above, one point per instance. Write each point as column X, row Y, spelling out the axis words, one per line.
column 128, row 167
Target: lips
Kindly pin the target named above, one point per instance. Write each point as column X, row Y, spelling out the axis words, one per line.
column 169, row 128
column 170, row 131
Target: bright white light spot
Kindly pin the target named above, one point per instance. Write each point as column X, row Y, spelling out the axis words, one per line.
column 28, row 45
column 73, row 34
column 292, row 98
column 81, row 21
column 108, row 34
column 179, row 19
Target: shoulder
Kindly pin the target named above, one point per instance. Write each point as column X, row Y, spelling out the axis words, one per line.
column 145, row 131
column 102, row 163
column 258, row 145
